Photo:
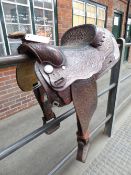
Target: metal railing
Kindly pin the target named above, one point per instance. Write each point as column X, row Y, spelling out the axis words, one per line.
column 113, row 90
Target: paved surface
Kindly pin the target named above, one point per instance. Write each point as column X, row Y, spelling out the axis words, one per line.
column 42, row 154
column 115, row 158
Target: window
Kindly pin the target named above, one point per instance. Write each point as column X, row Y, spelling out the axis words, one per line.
column 44, row 18
column 89, row 13
column 2, row 46
column 101, row 17
column 17, row 18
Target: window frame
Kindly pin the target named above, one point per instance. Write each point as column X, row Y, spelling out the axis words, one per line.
column 32, row 23
column 53, row 19
column 18, row 23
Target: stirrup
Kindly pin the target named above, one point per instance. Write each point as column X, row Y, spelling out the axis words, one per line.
column 53, row 128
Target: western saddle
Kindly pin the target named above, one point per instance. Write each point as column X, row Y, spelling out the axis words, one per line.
column 68, row 73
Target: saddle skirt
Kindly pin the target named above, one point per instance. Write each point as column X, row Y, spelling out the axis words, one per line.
column 78, row 58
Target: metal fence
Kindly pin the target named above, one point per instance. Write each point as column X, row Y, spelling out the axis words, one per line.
column 113, row 89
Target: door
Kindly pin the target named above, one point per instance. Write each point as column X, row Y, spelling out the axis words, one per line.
column 128, row 37
column 117, row 23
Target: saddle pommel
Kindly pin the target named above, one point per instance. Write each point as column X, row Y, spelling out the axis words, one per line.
column 43, row 53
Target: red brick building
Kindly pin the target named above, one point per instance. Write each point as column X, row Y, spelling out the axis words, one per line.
column 52, row 18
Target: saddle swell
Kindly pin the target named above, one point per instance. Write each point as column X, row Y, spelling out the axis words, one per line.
column 42, row 53
column 86, row 51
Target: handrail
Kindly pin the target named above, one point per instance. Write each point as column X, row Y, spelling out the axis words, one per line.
column 36, row 133
column 12, row 59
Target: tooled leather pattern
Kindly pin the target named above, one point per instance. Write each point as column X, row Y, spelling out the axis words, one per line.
column 84, row 61
column 79, row 35
column 96, row 54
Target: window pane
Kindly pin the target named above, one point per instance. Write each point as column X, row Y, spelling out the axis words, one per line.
column 40, row 30
column 23, row 13
column 101, row 13
column 2, row 50
column 75, row 20
column 100, row 23
column 48, row 17
column 22, row 1
column 91, row 21
column 78, row 20
column 39, row 17
column 38, row 3
column 25, row 28
column 91, row 14
column 13, row 47
column 81, row 20
column 91, row 11
column 10, row 13
column 78, row 9
column 48, row 4
column 101, row 17
column 49, row 32
column 12, row 28
column 78, row 6
column 45, row 31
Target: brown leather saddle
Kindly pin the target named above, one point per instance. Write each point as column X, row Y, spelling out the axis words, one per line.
column 69, row 72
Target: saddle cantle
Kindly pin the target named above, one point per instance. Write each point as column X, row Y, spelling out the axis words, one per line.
column 86, row 51
column 68, row 73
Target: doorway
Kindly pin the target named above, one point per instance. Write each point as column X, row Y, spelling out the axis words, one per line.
column 117, row 25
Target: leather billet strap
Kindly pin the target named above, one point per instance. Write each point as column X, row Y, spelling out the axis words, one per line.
column 45, row 105
column 43, row 53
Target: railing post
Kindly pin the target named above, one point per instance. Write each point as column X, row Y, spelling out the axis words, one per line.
column 113, row 93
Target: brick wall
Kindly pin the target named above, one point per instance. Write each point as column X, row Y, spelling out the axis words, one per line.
column 12, row 99
column 64, row 10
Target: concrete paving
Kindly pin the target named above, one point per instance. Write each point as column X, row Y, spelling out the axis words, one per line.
column 42, row 154
column 98, row 143
column 115, row 158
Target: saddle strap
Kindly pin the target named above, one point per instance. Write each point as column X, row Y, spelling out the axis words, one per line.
column 52, row 95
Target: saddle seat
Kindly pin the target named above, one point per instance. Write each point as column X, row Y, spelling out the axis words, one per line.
column 86, row 51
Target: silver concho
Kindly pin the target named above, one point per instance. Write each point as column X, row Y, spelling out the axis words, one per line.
column 63, row 67
column 48, row 69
